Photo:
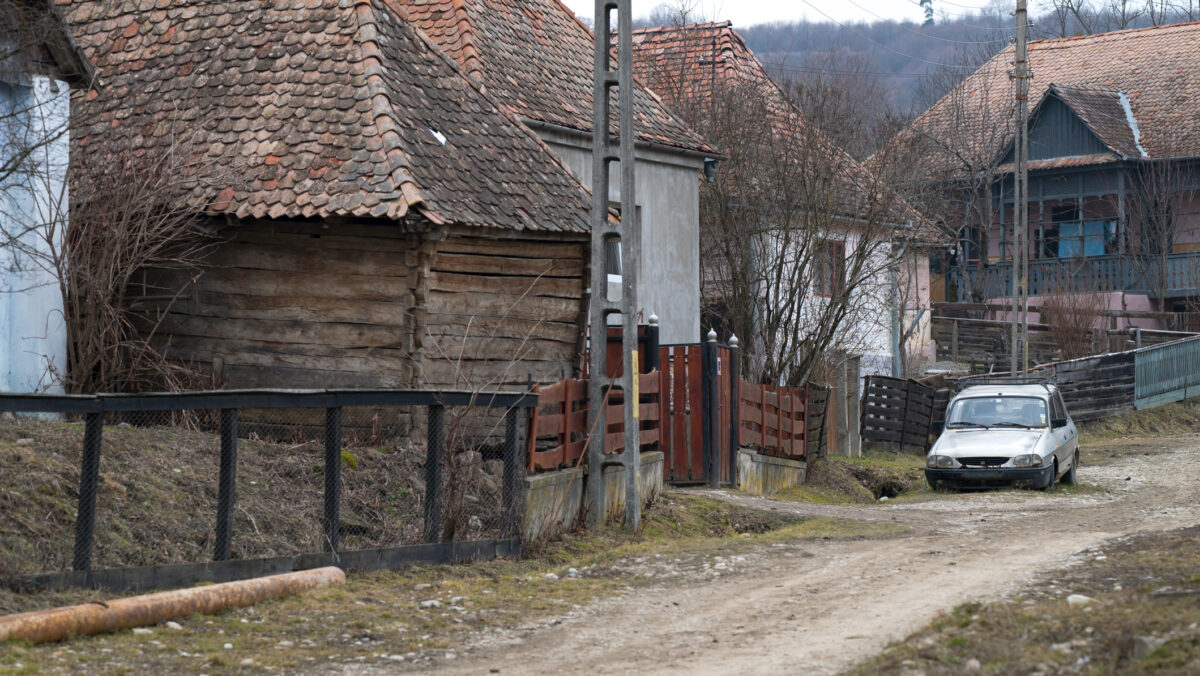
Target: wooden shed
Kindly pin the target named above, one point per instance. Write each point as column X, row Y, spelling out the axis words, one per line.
column 382, row 221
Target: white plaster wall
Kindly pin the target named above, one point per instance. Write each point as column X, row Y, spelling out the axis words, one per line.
column 668, row 193
column 33, row 336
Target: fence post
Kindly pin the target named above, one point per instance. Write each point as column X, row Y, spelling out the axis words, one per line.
column 735, row 402
column 514, row 471
column 333, row 476
column 226, row 484
column 954, row 341
column 650, row 358
column 89, row 479
column 434, row 451
column 711, row 414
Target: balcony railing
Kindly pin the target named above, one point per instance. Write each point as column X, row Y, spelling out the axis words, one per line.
column 1180, row 275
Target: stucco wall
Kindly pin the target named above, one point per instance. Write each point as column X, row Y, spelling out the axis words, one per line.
column 33, row 205
column 669, row 196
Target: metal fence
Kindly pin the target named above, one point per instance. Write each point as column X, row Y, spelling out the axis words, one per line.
column 131, row 491
column 1166, row 373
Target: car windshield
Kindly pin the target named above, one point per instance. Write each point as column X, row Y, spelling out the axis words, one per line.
column 997, row 411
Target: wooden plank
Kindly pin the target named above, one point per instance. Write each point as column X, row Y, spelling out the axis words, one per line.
column 680, row 452
column 519, row 249
column 695, row 362
column 558, row 287
column 507, row 265
column 503, row 305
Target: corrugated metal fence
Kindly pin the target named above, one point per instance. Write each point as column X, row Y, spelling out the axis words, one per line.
column 1166, row 373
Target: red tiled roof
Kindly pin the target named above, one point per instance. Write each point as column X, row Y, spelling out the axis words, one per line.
column 324, row 107
column 1104, row 113
column 1157, row 68
column 536, row 58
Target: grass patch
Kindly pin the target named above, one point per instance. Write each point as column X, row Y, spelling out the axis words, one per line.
column 838, row 480
column 1178, row 418
column 379, row 618
column 1144, row 619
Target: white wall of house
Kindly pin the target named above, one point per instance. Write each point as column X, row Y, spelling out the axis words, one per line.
column 33, row 335
column 668, row 195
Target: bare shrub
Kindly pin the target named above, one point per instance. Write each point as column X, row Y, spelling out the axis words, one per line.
column 1072, row 315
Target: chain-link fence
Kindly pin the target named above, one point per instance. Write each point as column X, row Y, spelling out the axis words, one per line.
column 121, row 481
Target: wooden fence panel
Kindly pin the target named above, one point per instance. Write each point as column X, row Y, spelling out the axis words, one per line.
column 896, row 414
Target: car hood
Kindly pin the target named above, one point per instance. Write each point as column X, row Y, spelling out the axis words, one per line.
column 968, row 443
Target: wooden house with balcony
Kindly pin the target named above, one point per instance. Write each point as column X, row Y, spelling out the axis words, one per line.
column 1114, row 172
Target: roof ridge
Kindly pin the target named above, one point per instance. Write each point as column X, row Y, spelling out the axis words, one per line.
column 382, row 110
column 1125, row 32
column 687, row 26
column 472, row 64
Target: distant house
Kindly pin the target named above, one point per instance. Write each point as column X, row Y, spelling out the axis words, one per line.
column 536, row 58
column 382, row 220
column 39, row 64
column 1114, row 137
column 697, row 68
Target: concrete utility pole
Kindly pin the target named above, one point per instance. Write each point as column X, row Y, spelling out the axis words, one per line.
column 628, row 234
column 1019, row 357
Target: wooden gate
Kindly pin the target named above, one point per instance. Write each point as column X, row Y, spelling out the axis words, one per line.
column 697, row 416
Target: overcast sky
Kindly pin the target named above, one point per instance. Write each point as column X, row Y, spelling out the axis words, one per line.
column 749, row 12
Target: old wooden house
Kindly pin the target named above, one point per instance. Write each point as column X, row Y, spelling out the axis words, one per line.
column 382, row 219
column 1114, row 181
column 536, row 58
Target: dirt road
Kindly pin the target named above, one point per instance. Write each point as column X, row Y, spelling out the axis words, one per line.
column 820, row 607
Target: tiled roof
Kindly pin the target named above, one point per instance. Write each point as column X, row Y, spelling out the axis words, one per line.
column 536, row 57
column 324, row 108
column 687, row 65
column 1104, row 113
column 1157, row 68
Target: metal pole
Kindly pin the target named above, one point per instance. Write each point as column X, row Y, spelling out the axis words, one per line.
column 514, row 470
column 735, row 407
column 333, row 476
column 226, row 485
column 435, row 448
column 89, row 480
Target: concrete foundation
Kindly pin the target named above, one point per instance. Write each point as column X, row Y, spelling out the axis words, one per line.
column 764, row 475
column 554, row 501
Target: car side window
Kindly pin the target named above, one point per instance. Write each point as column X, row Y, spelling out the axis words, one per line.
column 1060, row 406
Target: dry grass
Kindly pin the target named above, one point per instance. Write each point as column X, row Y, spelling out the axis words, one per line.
column 377, row 617
column 157, row 497
column 1144, row 619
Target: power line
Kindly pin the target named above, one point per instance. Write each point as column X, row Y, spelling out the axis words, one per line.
column 928, row 35
column 832, row 71
column 878, row 44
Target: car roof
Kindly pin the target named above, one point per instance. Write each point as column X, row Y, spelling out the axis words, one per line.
column 1005, row 390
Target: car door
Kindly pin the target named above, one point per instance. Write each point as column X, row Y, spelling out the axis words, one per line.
column 1064, row 435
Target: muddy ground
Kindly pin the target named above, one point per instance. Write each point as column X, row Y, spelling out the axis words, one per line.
column 822, row 606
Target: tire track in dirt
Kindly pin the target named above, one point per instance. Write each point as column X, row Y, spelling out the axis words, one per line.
column 822, row 606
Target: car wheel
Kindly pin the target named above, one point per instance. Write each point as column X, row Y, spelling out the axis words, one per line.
column 1069, row 477
column 1053, row 477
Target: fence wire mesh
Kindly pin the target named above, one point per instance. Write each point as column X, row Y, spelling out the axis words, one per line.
column 214, row 484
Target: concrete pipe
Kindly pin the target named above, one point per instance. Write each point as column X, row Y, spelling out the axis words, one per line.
column 100, row 617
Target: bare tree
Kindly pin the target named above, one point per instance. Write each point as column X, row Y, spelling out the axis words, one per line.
column 125, row 226
column 955, row 151
column 1158, row 195
column 795, row 235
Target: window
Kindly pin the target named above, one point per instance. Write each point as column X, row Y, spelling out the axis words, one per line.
column 1076, row 237
column 831, row 267
column 1028, row 411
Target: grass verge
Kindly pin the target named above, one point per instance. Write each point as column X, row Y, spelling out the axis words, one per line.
column 837, row 480
column 387, row 618
column 1142, row 618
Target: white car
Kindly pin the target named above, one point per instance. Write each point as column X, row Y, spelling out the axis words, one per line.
column 1005, row 434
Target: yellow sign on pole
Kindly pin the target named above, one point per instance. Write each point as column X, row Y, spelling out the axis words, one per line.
column 633, row 362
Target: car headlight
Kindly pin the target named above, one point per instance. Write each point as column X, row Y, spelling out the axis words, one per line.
column 1028, row 460
column 941, row 462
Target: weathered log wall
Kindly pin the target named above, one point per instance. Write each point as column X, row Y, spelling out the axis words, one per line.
column 317, row 305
